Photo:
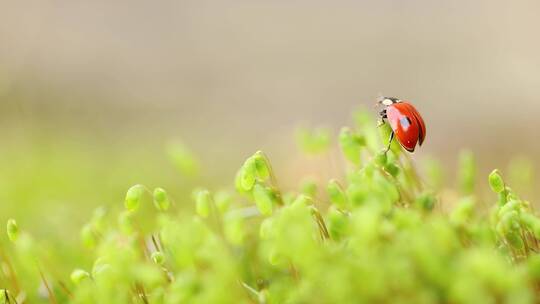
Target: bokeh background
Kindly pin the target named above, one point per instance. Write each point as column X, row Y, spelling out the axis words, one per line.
column 91, row 92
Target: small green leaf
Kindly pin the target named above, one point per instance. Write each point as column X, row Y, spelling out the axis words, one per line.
column 337, row 223
column 158, row 258
column 426, row 201
column 510, row 222
column 381, row 159
column 336, row 194
column 263, row 170
column 100, row 266
column 263, row 199
column 351, row 145
column 161, row 199
column 248, row 174
column 515, row 240
column 12, row 230
column 203, row 203
column 79, row 275
column 133, row 197
column 496, row 181
column 392, row 168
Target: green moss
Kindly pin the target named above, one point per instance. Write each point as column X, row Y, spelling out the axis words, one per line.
column 379, row 235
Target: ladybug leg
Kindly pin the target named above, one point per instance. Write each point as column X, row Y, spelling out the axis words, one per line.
column 389, row 142
column 383, row 116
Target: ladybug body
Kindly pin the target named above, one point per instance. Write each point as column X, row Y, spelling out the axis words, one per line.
column 406, row 123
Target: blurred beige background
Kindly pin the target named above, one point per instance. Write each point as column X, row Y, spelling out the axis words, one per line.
column 230, row 77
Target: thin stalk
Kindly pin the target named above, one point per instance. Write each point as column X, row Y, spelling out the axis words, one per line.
column 320, row 223
column 402, row 193
column 65, row 289
column 141, row 293
column 251, row 290
column 52, row 298
column 154, row 241
column 6, row 296
column 273, row 179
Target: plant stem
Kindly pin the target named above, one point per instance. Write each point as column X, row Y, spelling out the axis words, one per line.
column 52, row 298
column 273, row 179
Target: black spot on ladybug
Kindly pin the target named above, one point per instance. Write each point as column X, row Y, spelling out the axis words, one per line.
column 420, row 134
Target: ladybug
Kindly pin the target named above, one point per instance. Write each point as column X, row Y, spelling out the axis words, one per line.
column 406, row 123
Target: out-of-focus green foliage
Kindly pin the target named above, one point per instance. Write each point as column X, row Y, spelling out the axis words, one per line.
column 313, row 141
column 380, row 234
column 467, row 172
column 351, row 144
column 184, row 160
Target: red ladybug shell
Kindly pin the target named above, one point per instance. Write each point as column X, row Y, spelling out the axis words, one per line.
column 407, row 124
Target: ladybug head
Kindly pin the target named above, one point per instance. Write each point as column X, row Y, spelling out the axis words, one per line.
column 387, row 101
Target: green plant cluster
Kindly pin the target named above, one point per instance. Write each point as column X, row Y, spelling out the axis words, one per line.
column 379, row 234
